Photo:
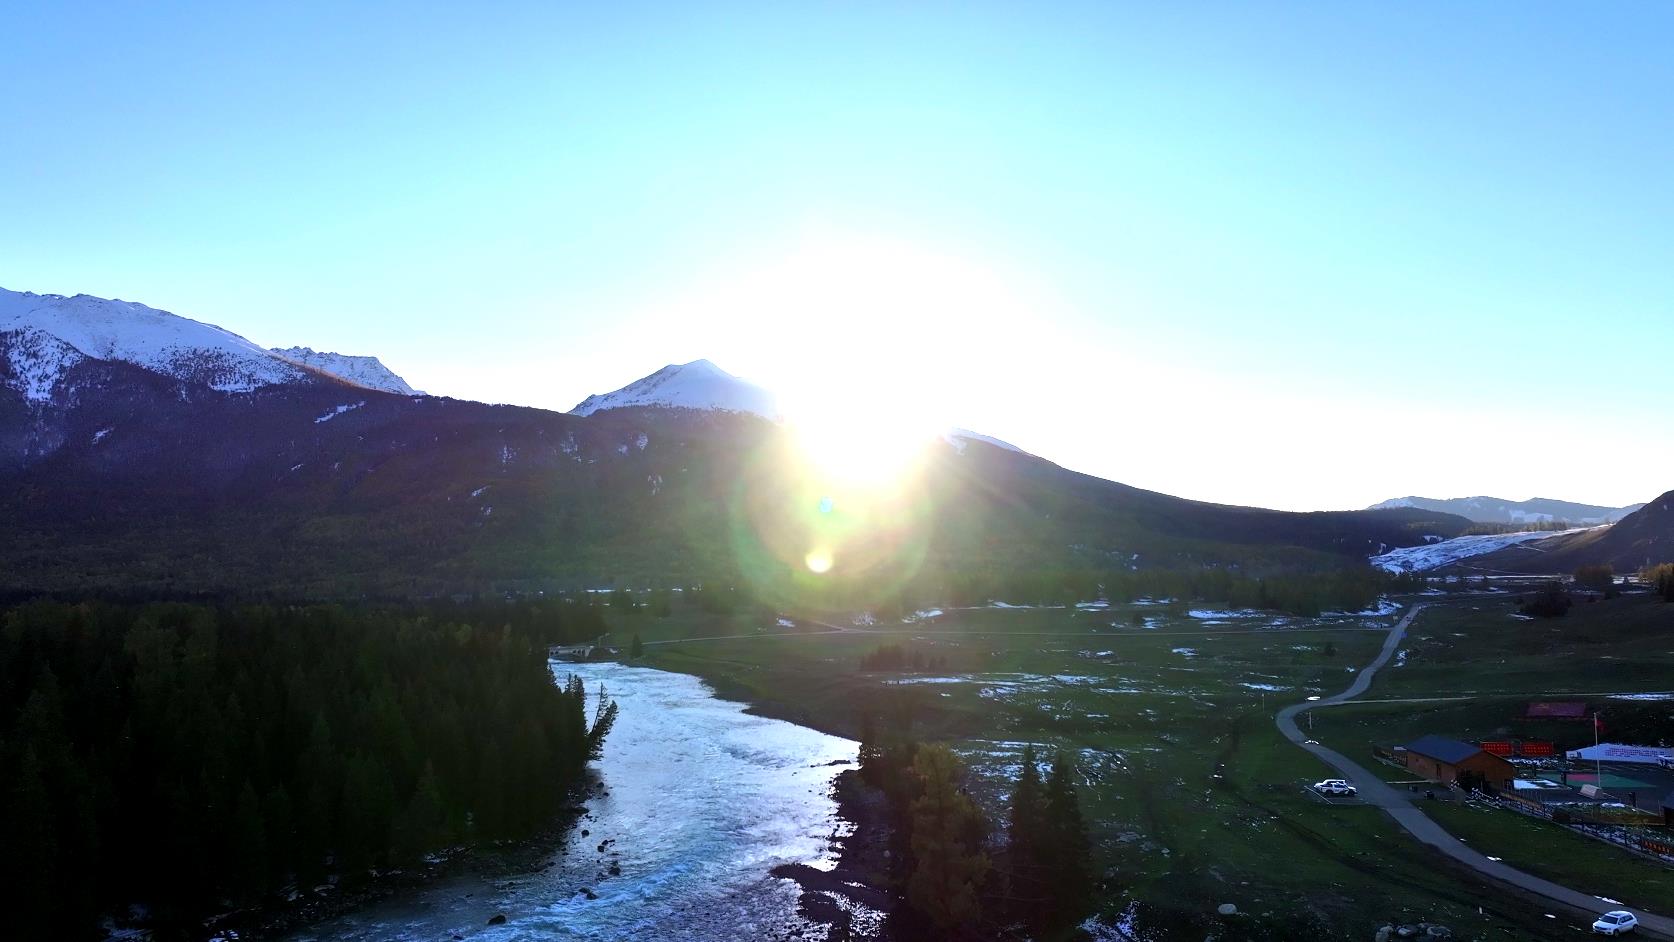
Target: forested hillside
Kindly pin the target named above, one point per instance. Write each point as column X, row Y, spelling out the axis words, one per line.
column 189, row 758
column 320, row 492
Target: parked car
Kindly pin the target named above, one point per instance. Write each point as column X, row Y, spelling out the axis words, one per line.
column 1615, row 922
column 1335, row 786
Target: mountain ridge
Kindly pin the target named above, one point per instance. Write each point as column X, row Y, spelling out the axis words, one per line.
column 1485, row 509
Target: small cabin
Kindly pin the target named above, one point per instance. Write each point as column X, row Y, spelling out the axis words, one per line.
column 1444, row 760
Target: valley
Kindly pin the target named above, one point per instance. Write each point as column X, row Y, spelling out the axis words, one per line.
column 1195, row 798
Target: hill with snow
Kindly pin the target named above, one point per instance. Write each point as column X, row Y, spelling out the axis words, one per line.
column 1448, row 552
column 366, row 371
column 699, row 384
column 1499, row 510
column 45, row 335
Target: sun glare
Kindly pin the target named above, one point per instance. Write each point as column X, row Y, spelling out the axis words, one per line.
column 818, row 561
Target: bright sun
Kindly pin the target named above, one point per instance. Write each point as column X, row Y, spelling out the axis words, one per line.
column 875, row 345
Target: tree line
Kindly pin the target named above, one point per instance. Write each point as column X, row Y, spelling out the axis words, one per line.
column 191, row 758
column 962, row 880
column 1660, row 578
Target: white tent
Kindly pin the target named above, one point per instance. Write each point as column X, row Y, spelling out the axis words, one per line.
column 1618, row 752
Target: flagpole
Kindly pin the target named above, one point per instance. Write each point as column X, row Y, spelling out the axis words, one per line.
column 1598, row 758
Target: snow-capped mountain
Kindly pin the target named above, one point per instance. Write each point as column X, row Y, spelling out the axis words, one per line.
column 45, row 335
column 699, row 384
column 361, row 370
column 958, row 437
column 1499, row 510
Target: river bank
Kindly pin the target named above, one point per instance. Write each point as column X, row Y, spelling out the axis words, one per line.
column 703, row 801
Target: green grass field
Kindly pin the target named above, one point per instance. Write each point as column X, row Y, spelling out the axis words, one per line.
column 1192, row 796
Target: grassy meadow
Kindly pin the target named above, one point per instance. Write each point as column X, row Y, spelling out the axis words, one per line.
column 1192, row 796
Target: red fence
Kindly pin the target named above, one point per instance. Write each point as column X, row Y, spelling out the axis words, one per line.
column 1527, row 748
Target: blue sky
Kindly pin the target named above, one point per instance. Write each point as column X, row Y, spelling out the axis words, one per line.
column 1299, row 255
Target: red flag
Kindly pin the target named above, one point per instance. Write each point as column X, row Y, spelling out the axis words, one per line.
column 1598, row 724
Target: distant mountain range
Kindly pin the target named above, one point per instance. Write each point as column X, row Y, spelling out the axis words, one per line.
column 1499, row 510
column 141, row 451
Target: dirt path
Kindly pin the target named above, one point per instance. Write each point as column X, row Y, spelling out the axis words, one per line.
column 1399, row 805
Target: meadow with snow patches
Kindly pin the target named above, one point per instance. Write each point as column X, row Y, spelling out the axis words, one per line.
column 1191, row 796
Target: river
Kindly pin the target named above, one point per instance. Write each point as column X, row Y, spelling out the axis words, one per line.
column 701, row 800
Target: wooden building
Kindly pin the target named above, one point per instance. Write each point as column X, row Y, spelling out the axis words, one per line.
column 1444, row 760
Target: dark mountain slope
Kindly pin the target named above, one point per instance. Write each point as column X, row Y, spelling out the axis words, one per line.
column 128, row 480
column 1642, row 538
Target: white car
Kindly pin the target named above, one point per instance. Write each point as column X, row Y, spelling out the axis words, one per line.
column 1334, row 786
column 1615, row 922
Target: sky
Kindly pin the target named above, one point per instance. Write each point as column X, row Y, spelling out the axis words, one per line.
column 1304, row 256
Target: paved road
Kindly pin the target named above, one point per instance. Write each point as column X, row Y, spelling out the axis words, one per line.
column 1398, row 804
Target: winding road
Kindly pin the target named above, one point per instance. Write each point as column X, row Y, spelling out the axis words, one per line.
column 1399, row 805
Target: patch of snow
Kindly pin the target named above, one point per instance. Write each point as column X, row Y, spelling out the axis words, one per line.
column 99, row 436
column 642, row 441
column 334, row 413
column 38, row 361
column 1263, row 686
column 959, row 437
column 1184, row 652
column 479, row 491
column 1435, row 555
column 1383, row 607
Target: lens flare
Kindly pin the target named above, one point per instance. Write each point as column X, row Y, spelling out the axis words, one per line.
column 818, row 561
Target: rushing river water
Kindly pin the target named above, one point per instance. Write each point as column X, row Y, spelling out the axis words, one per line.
column 701, row 801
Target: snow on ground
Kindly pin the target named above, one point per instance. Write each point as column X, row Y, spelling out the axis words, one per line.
column 1184, row 652
column 1642, row 696
column 1383, row 607
column 1436, row 555
column 334, row 413
column 1264, row 686
column 1241, row 613
column 923, row 614
column 958, row 437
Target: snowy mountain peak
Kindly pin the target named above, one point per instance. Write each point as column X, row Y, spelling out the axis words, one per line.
column 46, row 334
column 365, row 371
column 958, row 437
column 699, row 384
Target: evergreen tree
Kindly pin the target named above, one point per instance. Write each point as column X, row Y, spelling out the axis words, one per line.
column 1070, row 862
column 423, row 823
column 249, row 844
column 636, row 648
column 1026, row 844
column 949, row 865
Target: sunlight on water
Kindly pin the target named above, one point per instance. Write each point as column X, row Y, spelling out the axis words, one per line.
column 701, row 801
